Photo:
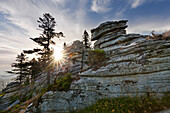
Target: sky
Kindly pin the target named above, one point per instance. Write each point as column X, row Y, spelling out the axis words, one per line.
column 18, row 21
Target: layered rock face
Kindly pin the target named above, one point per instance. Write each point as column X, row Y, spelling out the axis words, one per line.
column 108, row 28
column 112, row 35
column 9, row 91
column 135, row 66
column 77, row 55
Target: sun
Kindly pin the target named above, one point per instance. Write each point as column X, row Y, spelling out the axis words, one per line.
column 58, row 53
column 59, row 57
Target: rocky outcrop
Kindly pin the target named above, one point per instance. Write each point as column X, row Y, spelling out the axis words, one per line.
column 11, row 87
column 108, row 28
column 112, row 35
column 77, row 56
column 15, row 91
column 67, row 101
column 135, row 66
column 10, row 90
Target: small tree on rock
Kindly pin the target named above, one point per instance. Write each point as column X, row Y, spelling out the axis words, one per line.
column 86, row 40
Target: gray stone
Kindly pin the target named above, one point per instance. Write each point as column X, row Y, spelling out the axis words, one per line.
column 68, row 101
column 47, row 94
column 13, row 104
column 107, row 27
column 134, row 67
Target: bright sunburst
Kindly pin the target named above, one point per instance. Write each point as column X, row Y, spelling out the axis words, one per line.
column 58, row 53
column 59, row 57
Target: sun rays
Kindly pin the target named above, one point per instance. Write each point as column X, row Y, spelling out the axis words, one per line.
column 58, row 58
column 58, row 53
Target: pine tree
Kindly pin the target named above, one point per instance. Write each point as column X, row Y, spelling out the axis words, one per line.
column 86, row 39
column 47, row 25
column 21, row 68
column 34, row 68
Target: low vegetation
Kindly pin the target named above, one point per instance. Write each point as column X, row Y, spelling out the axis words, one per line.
column 61, row 84
column 128, row 105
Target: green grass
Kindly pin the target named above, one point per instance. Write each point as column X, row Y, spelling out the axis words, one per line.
column 128, row 105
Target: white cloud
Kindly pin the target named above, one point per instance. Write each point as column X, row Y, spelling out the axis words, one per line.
column 71, row 18
column 24, row 14
column 136, row 3
column 60, row 1
column 100, row 6
column 22, row 23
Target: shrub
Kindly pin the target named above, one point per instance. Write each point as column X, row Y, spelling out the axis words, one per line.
column 65, row 86
column 96, row 56
column 63, row 83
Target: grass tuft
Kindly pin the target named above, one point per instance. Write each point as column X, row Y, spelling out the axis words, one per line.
column 128, row 105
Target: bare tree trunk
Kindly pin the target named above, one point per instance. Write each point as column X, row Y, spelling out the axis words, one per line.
column 82, row 61
column 48, row 77
column 48, row 73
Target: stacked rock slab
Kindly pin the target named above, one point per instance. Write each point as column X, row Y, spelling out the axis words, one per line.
column 108, row 31
column 11, row 89
column 135, row 67
column 112, row 35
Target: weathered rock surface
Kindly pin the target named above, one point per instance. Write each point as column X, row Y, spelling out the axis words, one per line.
column 67, row 101
column 12, row 86
column 77, row 56
column 135, row 67
column 11, row 89
column 108, row 27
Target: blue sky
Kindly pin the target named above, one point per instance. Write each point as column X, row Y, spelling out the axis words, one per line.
column 18, row 20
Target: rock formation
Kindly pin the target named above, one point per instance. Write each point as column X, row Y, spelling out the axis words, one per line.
column 77, row 56
column 135, row 66
column 10, row 90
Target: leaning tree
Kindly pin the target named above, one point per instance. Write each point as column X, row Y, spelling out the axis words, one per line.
column 47, row 26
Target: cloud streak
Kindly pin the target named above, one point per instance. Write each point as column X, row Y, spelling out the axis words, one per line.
column 100, row 6
column 136, row 3
column 19, row 23
column 146, row 25
column 18, row 20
